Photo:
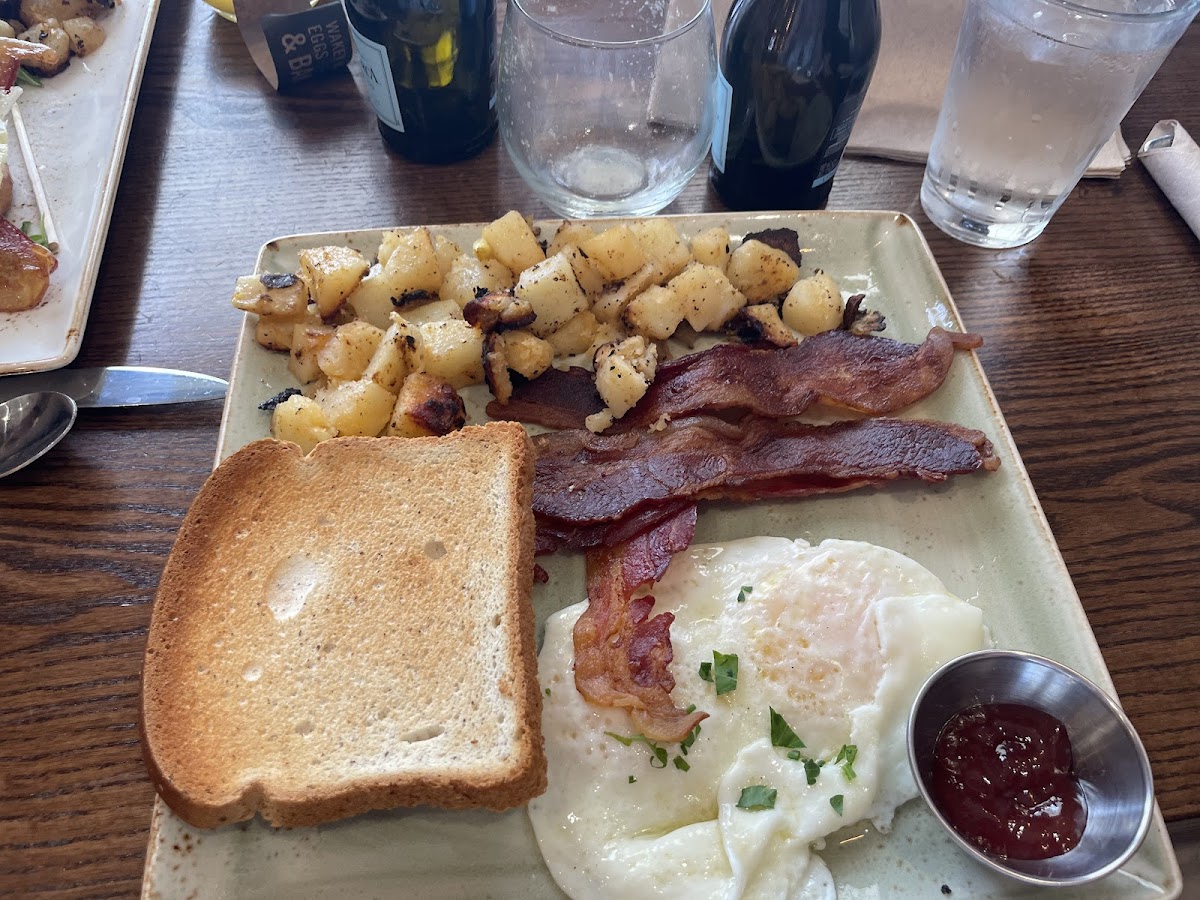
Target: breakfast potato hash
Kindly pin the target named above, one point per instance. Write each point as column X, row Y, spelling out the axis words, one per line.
column 383, row 345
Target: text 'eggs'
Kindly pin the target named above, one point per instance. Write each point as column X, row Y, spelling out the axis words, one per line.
column 837, row 638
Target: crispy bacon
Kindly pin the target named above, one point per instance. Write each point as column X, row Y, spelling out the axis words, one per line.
column 873, row 375
column 586, row 485
column 553, row 536
column 622, row 656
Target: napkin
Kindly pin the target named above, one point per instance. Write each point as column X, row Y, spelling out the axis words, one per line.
column 900, row 111
column 1173, row 159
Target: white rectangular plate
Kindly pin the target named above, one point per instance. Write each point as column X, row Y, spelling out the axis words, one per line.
column 78, row 124
column 984, row 535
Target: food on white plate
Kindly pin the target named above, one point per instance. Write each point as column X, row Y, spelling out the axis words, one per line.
column 60, row 29
column 25, row 269
column 331, row 636
column 515, row 304
column 806, row 659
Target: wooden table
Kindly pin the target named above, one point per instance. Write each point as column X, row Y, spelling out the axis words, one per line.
column 1090, row 347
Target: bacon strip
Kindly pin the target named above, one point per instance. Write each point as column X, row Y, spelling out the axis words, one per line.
column 873, row 375
column 585, row 485
column 622, row 656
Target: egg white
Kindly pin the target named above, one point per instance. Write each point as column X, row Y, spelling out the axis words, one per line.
column 837, row 638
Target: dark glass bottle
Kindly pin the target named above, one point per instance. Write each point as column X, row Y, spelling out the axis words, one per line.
column 797, row 72
column 430, row 69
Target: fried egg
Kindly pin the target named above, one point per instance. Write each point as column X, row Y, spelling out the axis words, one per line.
column 836, row 639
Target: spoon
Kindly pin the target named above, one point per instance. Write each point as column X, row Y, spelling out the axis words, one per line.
column 30, row 425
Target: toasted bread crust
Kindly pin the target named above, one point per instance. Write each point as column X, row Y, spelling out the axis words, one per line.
column 293, row 692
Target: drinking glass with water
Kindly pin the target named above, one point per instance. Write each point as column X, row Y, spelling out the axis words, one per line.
column 1035, row 90
column 606, row 106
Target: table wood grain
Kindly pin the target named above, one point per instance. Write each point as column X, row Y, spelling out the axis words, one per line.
column 1090, row 347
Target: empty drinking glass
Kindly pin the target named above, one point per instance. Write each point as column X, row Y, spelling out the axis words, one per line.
column 606, row 106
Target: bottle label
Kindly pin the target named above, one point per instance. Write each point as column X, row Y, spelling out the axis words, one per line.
column 839, row 136
column 723, row 102
column 377, row 72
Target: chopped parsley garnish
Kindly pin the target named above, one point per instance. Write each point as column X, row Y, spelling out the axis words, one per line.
column 836, row 802
column 746, row 591
column 632, row 780
column 706, row 671
column 687, row 742
column 757, row 797
column 812, row 768
column 793, row 754
column 725, row 672
column 658, row 754
column 681, row 764
column 691, row 708
column 846, row 757
column 37, row 236
column 547, row 692
column 782, row 734
column 24, row 76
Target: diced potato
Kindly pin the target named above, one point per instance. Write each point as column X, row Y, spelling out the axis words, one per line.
column 446, row 252
column 372, row 299
column 331, row 273
column 388, row 244
column 761, row 322
column 655, row 313
column 437, row 311
column 301, row 420
column 85, row 35
column 606, row 333
column 813, row 305
column 664, row 247
column 307, row 341
column 499, row 311
column 761, row 272
column 610, row 306
column 553, row 291
column 49, row 33
column 711, row 248
column 525, row 353
column 570, row 233
column 356, row 407
column 274, row 333
column 576, row 336
column 411, row 269
column 413, row 265
column 495, row 368
column 427, row 405
column 283, row 296
column 510, row 240
column 452, row 350
column 469, row 276
column 395, row 356
column 623, row 374
column 615, row 252
column 345, row 356
column 589, row 276
column 709, row 299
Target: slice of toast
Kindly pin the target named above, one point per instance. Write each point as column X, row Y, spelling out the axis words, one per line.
column 349, row 631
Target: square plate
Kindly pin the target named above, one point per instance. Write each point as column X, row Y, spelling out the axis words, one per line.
column 985, row 536
column 78, row 124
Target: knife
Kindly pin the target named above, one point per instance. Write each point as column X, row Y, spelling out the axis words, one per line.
column 114, row 386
